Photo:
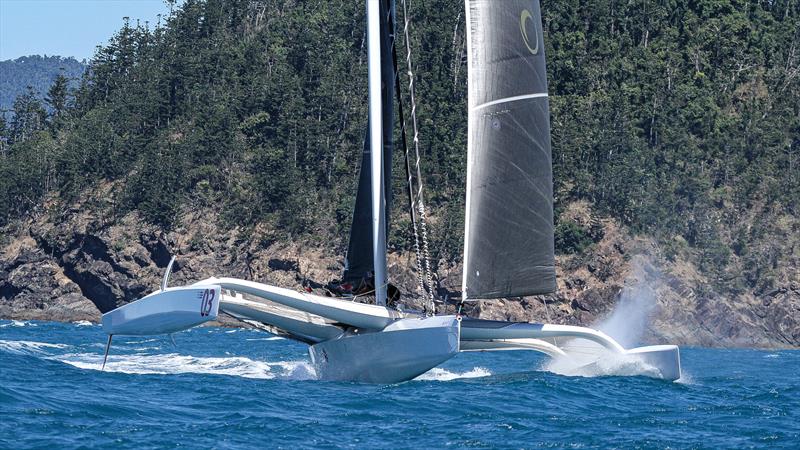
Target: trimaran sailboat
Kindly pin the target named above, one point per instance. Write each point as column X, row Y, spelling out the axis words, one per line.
column 508, row 236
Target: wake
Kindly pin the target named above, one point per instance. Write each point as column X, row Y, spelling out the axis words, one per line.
column 165, row 363
column 595, row 361
column 28, row 347
column 173, row 363
column 439, row 374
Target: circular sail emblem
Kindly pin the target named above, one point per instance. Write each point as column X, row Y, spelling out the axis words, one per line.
column 524, row 18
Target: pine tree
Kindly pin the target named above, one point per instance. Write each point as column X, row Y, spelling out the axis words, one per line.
column 57, row 96
column 29, row 116
column 4, row 137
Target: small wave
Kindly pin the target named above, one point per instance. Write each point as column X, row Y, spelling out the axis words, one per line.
column 18, row 323
column 297, row 370
column 772, row 355
column 439, row 374
column 686, row 378
column 27, row 347
column 172, row 363
column 273, row 338
column 83, row 323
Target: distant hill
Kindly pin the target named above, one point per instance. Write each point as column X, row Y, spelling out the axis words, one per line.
column 35, row 71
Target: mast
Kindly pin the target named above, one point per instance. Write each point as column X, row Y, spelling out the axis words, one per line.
column 361, row 250
column 376, row 151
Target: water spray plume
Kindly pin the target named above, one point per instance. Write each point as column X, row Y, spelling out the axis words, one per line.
column 631, row 315
column 626, row 324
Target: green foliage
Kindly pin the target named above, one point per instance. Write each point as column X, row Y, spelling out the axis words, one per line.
column 154, row 187
column 677, row 117
column 27, row 174
column 57, row 97
column 28, row 117
column 571, row 238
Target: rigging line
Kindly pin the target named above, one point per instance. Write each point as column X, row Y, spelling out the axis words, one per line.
column 546, row 310
column 424, row 277
column 409, row 176
column 368, row 293
column 420, row 201
column 547, row 313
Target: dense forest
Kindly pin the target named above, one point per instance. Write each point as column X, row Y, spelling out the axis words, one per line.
column 35, row 73
column 680, row 119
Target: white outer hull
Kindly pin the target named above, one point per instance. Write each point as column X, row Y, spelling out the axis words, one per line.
column 485, row 335
column 666, row 358
column 402, row 351
column 164, row 312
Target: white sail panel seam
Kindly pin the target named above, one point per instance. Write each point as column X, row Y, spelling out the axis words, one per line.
column 509, row 99
column 467, row 201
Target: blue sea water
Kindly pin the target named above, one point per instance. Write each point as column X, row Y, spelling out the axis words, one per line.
column 236, row 388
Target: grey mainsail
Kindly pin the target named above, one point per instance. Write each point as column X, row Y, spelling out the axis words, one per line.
column 508, row 242
column 359, row 259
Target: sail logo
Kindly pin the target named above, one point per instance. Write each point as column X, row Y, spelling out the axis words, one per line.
column 524, row 18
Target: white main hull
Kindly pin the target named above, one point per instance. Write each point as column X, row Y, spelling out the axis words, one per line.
column 402, row 351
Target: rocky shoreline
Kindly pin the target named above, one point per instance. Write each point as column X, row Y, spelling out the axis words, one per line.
column 77, row 263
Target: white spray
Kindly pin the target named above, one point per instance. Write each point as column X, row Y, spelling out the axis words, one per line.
column 631, row 315
column 626, row 324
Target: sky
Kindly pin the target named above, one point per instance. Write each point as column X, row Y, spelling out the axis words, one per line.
column 67, row 27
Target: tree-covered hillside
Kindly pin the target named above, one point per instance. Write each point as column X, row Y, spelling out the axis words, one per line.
column 36, row 72
column 681, row 119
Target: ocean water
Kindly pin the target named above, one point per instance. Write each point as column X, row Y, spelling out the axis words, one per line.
column 235, row 388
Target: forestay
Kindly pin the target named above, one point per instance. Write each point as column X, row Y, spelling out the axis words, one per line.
column 508, row 242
